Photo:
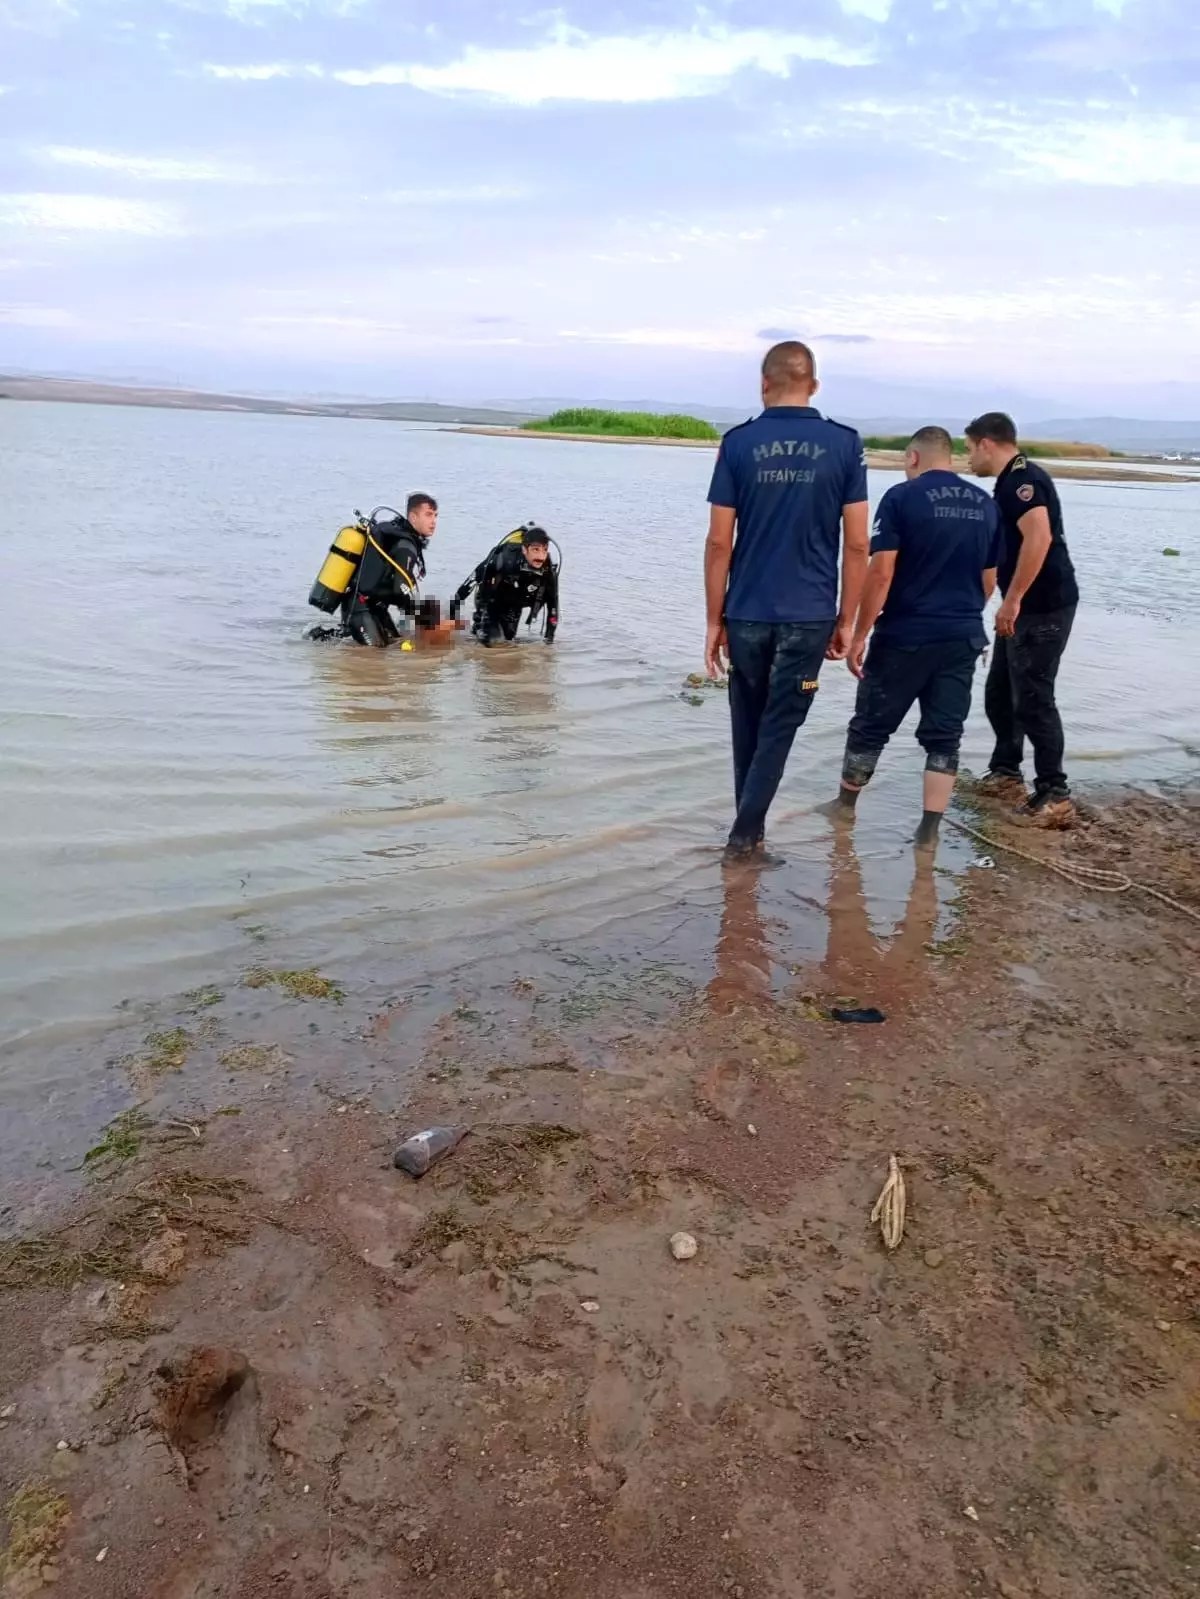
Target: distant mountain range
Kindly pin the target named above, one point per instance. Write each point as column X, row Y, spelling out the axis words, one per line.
column 1135, row 435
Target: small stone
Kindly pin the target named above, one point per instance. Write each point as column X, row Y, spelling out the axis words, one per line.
column 61, row 1445
column 1164, row 1326
column 934, row 1258
column 971, row 1513
column 102, row 1557
column 683, row 1246
column 8, row 1412
column 590, row 1305
column 752, row 1130
column 160, row 1521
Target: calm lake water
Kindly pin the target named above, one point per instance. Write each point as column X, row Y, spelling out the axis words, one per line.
column 188, row 785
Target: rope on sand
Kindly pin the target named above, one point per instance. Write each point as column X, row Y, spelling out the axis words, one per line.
column 1094, row 877
column 891, row 1205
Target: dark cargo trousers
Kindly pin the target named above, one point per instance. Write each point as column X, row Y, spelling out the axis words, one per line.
column 773, row 671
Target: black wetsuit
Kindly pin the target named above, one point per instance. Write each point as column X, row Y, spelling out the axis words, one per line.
column 391, row 569
column 508, row 584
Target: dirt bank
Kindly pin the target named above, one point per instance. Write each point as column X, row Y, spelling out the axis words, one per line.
column 253, row 1359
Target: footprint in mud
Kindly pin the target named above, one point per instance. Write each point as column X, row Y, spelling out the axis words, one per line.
column 621, row 1402
column 723, row 1090
column 702, row 1378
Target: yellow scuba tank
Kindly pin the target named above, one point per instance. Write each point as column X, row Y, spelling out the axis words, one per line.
column 338, row 569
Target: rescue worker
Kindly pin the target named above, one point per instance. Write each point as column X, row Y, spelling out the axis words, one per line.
column 516, row 576
column 1037, row 580
column 390, row 573
column 794, row 485
column 935, row 549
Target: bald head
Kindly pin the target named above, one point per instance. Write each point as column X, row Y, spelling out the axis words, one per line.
column 929, row 450
column 789, row 374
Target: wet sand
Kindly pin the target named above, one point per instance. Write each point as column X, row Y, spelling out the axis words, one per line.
column 880, row 460
column 245, row 1356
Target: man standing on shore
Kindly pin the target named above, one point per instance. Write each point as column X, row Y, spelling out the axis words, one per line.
column 1037, row 581
column 935, row 549
column 789, row 482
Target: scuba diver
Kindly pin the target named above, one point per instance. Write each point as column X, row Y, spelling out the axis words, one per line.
column 375, row 564
column 518, row 573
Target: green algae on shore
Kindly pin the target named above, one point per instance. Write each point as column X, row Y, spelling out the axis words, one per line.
column 305, row 984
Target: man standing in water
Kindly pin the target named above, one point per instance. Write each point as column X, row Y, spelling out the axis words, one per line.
column 934, row 552
column 1037, row 580
column 789, row 482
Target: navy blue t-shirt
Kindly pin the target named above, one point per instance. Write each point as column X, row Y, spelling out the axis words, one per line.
column 787, row 474
column 948, row 534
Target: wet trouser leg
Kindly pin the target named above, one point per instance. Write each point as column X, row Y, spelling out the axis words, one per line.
column 1000, row 704
column 368, row 622
column 938, row 676
column 1034, row 654
column 493, row 623
column 773, row 676
column 1021, row 701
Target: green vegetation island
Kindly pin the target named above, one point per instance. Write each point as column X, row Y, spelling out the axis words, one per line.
column 595, row 423
column 592, row 422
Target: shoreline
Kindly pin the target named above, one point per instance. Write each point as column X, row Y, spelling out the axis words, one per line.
column 878, row 460
column 246, row 1354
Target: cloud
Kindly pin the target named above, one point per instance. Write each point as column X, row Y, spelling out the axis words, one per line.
column 163, row 169
column 843, row 338
column 1111, row 145
column 879, row 10
column 261, row 74
column 86, row 213
column 776, row 335
column 621, row 69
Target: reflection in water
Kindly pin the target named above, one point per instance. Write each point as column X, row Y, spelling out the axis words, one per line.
column 515, row 705
column 364, row 685
column 854, row 955
column 743, row 960
column 855, row 959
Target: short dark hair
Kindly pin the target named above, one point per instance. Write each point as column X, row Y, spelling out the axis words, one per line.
column 416, row 501
column 930, row 439
column 789, row 365
column 534, row 535
column 994, row 425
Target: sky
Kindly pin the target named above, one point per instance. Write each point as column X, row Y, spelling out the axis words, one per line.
column 468, row 201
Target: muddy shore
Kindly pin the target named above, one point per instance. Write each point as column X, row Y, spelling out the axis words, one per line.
column 245, row 1356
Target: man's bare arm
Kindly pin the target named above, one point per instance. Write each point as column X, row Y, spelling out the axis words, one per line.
column 856, row 544
column 880, row 572
column 989, row 583
column 718, row 554
column 1035, row 546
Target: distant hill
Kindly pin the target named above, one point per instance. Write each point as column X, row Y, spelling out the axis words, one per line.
column 1132, row 434
column 1122, row 433
column 82, row 391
